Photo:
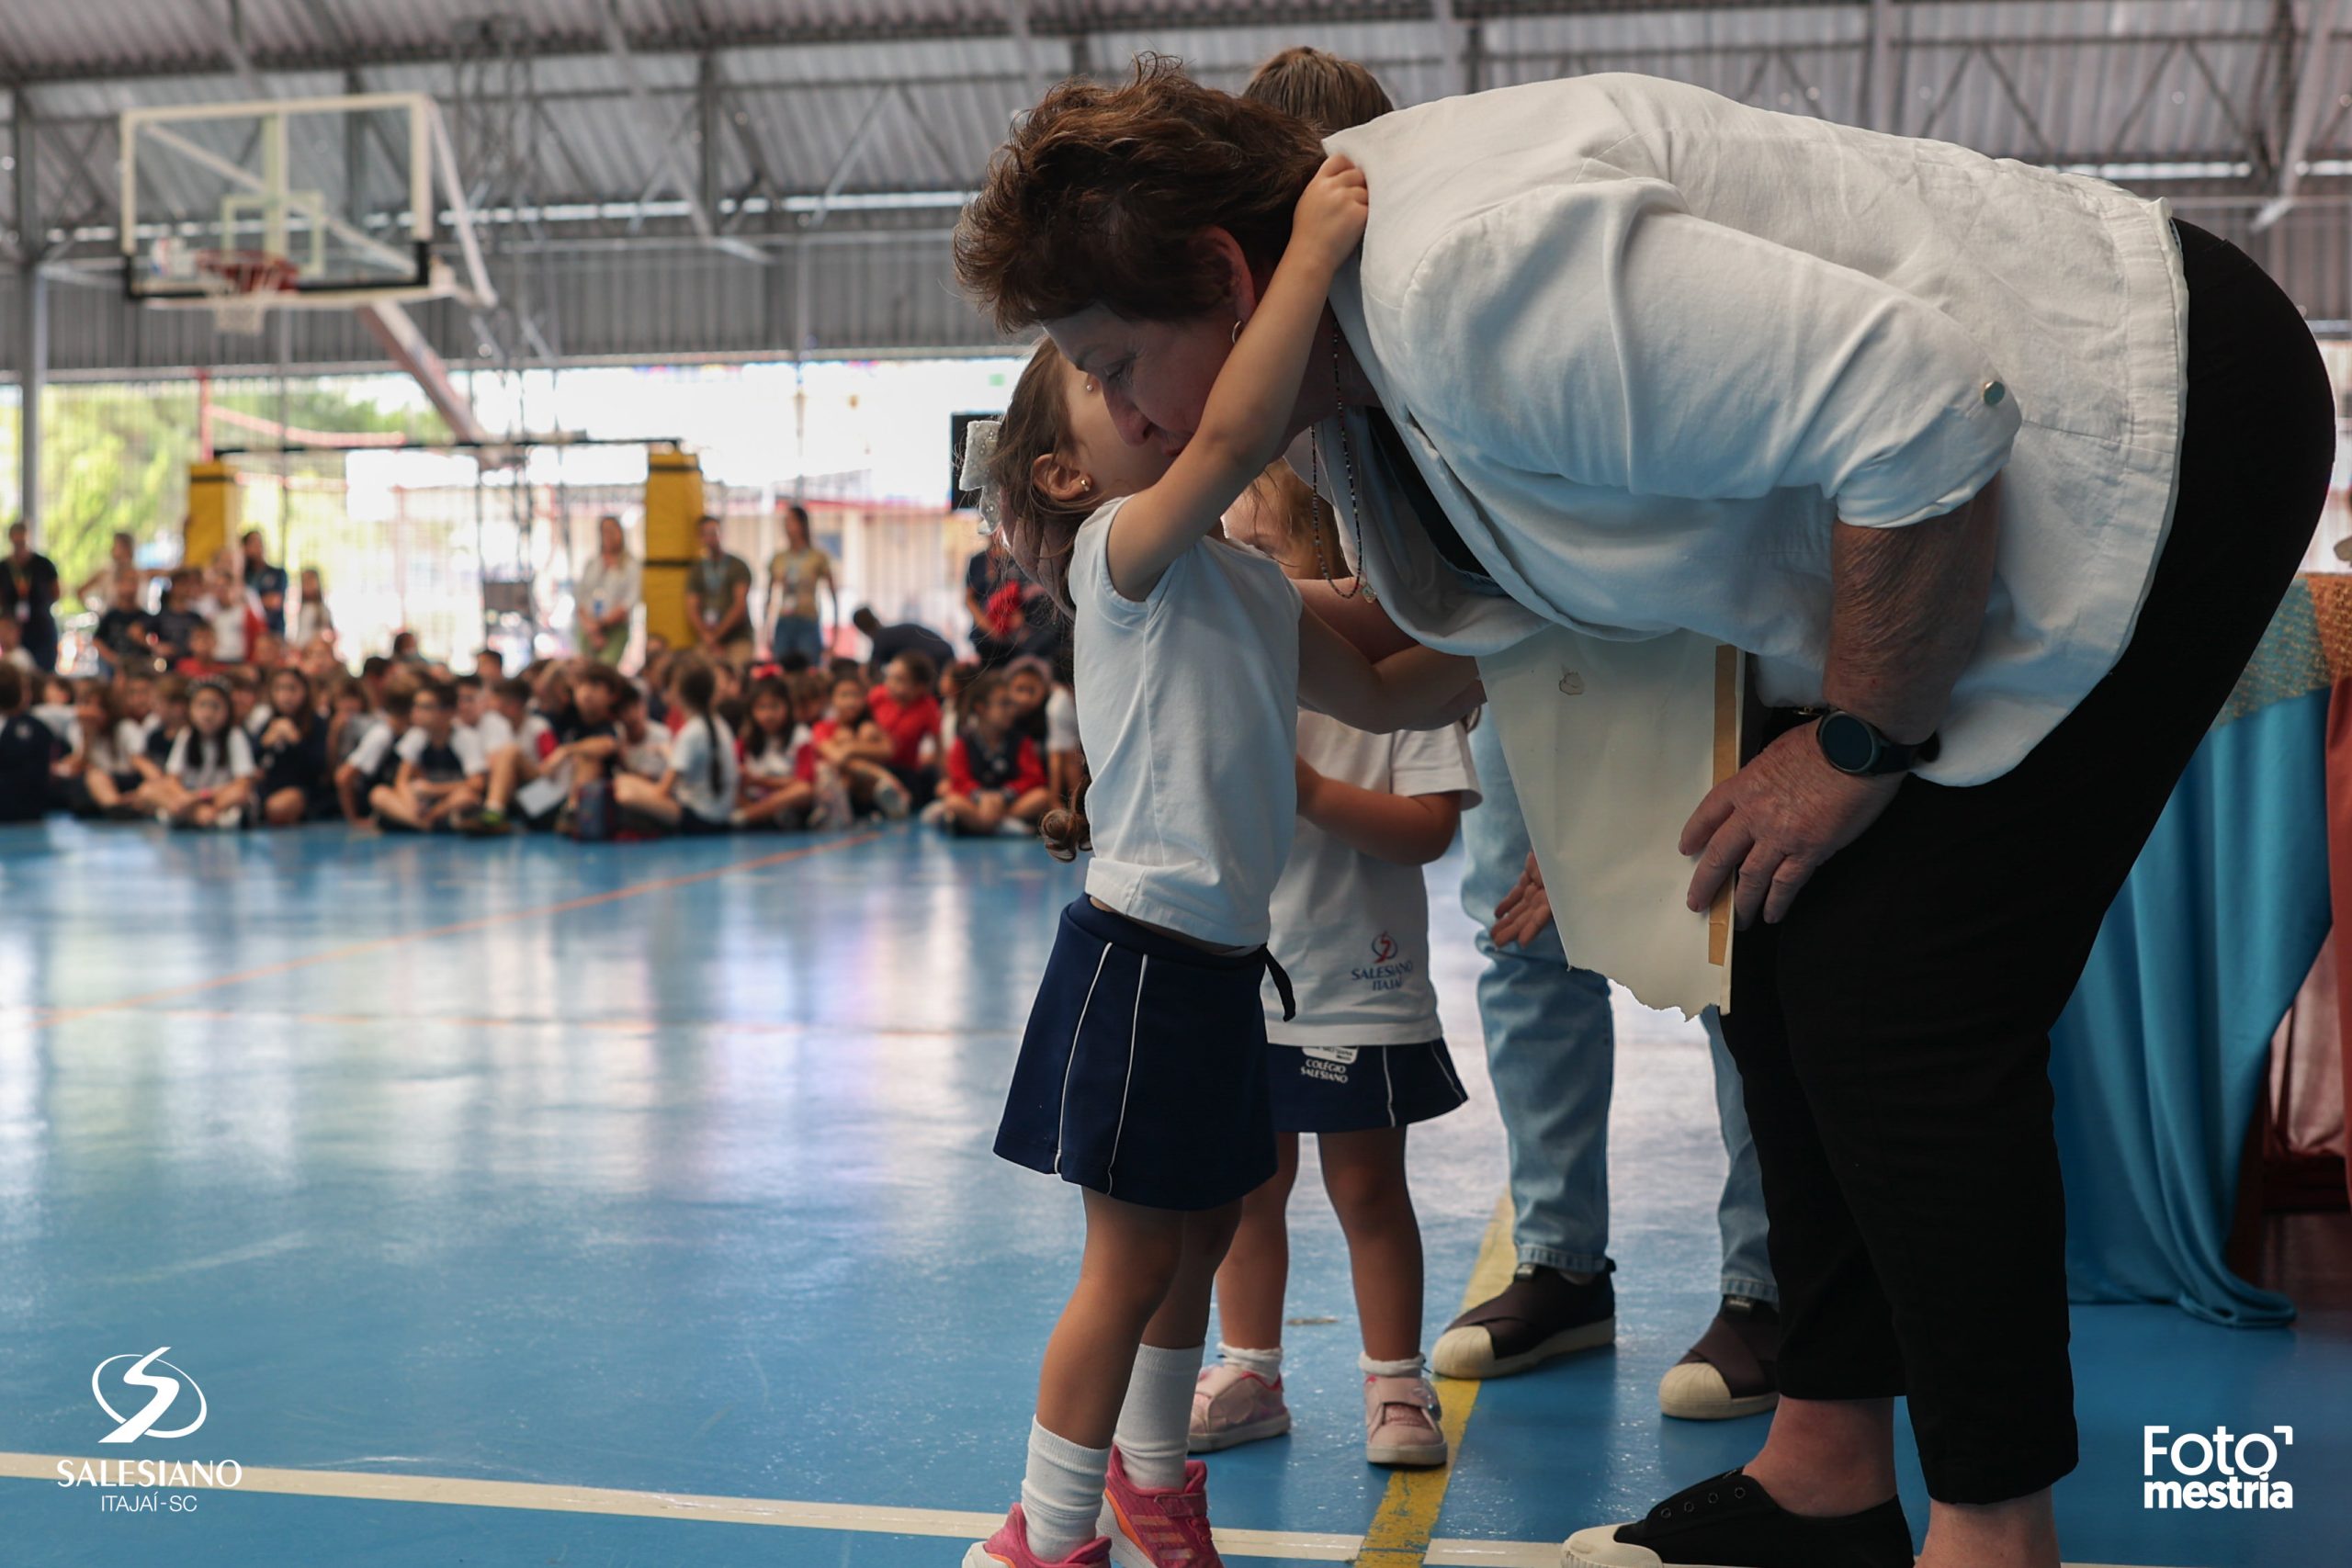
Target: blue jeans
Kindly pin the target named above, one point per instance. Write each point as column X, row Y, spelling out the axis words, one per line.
column 1551, row 1053
column 799, row 633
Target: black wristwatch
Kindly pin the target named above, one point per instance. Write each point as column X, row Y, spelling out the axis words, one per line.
column 1853, row 744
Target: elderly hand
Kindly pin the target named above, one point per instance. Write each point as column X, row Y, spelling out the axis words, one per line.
column 1775, row 822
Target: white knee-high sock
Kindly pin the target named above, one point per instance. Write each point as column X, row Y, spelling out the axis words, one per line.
column 1061, row 1495
column 1158, row 1414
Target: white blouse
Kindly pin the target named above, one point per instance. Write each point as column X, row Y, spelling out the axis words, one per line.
column 1645, row 345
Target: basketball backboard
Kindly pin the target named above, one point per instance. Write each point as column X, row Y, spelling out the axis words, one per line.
column 356, row 198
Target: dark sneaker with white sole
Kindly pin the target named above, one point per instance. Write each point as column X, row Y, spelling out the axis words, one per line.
column 1733, row 1370
column 1731, row 1522
column 1540, row 1315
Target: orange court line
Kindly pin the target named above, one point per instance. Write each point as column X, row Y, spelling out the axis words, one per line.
column 378, row 944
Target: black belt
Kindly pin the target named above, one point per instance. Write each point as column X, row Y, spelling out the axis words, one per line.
column 1282, row 985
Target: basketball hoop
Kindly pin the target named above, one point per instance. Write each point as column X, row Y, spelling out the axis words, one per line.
column 241, row 286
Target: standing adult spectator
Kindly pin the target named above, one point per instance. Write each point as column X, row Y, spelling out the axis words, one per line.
column 719, row 593
column 266, row 583
column 313, row 621
column 794, row 577
column 29, row 596
column 98, row 589
column 887, row 642
column 605, row 596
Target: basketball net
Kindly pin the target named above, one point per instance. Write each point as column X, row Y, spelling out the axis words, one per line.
column 241, row 287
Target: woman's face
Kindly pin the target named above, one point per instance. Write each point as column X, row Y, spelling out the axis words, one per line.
column 1155, row 375
column 286, row 694
column 608, row 536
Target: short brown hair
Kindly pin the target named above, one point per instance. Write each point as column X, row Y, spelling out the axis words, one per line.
column 1327, row 92
column 1102, row 193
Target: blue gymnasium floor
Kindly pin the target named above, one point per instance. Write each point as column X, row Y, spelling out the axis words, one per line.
column 614, row 1195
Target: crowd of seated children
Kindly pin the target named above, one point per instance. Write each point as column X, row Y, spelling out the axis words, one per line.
column 197, row 714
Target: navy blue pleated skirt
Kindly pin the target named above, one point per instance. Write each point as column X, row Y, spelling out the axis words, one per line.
column 1143, row 1073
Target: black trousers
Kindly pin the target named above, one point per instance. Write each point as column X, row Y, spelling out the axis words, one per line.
column 1892, row 1033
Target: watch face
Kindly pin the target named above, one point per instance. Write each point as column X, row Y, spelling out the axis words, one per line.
column 1848, row 743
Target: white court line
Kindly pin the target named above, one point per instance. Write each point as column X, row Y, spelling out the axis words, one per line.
column 859, row 1517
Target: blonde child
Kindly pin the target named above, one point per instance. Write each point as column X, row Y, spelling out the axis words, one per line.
column 1365, row 1059
column 1141, row 1077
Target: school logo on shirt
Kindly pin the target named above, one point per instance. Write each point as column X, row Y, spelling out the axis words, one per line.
column 1383, row 972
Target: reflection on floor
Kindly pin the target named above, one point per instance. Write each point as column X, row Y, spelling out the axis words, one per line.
column 664, row 1169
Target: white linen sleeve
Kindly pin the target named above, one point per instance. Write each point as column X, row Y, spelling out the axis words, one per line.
column 410, row 748
column 1433, row 761
column 241, row 755
column 1601, row 332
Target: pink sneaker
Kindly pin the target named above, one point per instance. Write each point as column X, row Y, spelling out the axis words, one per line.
column 1008, row 1548
column 1400, row 1422
column 1166, row 1527
column 1231, row 1406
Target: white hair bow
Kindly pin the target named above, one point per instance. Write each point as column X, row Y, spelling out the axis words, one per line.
column 980, row 449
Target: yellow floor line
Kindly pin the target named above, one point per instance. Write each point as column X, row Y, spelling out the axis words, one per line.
column 1400, row 1530
column 51, row 1016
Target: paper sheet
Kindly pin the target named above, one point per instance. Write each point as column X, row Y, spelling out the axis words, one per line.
column 1611, row 746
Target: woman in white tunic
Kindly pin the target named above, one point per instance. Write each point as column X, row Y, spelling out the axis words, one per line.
column 1996, row 473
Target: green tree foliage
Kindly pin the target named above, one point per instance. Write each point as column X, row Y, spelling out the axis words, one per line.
column 116, row 456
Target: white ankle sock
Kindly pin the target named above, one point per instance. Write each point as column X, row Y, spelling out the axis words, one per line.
column 1267, row 1364
column 1410, row 1367
column 1158, row 1415
column 1061, row 1496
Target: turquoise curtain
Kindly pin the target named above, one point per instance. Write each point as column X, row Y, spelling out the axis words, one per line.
column 2159, row 1056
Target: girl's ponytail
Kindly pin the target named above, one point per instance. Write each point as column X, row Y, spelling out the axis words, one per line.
column 1065, row 828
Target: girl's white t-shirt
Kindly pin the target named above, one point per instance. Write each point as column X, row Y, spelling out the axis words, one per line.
column 197, row 772
column 1189, row 700
column 1061, row 721
column 778, row 760
column 690, row 760
column 1351, row 930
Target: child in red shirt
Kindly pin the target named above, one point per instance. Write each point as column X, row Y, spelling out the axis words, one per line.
column 995, row 782
column 908, row 712
column 847, row 761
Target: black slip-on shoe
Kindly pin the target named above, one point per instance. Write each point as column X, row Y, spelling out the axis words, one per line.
column 1733, row 1370
column 1540, row 1315
column 1731, row 1522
